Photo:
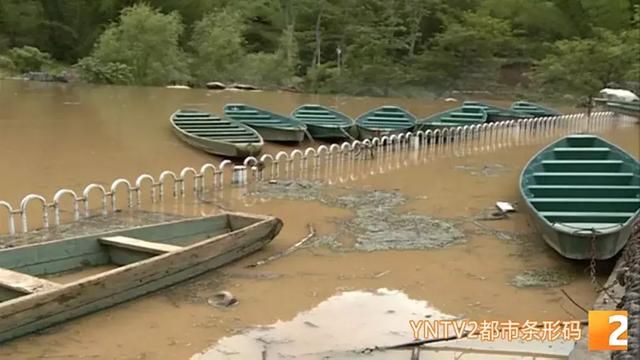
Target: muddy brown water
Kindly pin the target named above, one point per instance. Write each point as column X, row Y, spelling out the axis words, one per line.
column 56, row 136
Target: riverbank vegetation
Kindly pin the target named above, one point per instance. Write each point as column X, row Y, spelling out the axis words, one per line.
column 375, row 47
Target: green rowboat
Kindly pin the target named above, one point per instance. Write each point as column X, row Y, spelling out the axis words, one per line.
column 460, row 116
column 323, row 122
column 214, row 135
column 582, row 190
column 384, row 121
column 497, row 113
column 142, row 260
column 529, row 108
column 271, row 126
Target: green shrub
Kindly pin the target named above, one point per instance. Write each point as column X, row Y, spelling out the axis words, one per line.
column 95, row 71
column 28, row 58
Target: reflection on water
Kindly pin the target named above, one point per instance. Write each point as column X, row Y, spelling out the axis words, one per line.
column 346, row 324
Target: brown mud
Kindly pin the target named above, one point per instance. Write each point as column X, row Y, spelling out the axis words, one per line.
column 113, row 132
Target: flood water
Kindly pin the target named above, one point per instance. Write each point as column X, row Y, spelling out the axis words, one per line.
column 59, row 136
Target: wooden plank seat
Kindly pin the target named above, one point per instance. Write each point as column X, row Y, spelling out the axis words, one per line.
column 138, row 245
column 577, row 153
column 582, row 165
column 24, row 283
column 593, row 191
column 583, row 178
column 586, row 204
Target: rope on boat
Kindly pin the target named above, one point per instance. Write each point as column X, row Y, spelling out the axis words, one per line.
column 211, row 177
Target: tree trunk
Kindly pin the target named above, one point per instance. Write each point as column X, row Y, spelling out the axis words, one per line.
column 317, row 60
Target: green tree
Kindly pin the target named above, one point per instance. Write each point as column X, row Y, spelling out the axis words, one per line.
column 147, row 41
column 585, row 66
column 218, row 46
column 469, row 52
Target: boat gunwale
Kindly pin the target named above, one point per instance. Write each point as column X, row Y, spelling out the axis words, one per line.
column 581, row 232
column 358, row 121
column 260, row 140
column 262, row 220
column 293, row 124
column 346, row 119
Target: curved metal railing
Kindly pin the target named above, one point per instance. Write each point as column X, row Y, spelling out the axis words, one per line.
column 348, row 158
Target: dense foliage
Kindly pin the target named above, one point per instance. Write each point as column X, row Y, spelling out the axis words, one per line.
column 353, row 46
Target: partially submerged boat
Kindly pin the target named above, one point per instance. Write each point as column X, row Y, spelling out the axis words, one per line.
column 324, row 122
column 460, row 116
column 145, row 259
column 582, row 191
column 271, row 126
column 383, row 121
column 529, row 108
column 214, row 135
column 497, row 113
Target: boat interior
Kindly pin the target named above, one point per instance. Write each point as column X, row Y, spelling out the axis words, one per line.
column 584, row 182
column 209, row 126
column 254, row 116
column 315, row 114
column 388, row 117
column 34, row 268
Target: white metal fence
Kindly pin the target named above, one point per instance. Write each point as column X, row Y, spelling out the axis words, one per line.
column 347, row 161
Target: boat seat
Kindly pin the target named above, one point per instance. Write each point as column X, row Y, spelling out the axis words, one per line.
column 605, row 191
column 24, row 283
column 582, row 217
column 586, row 204
column 578, row 153
column 138, row 245
column 583, row 178
column 577, row 165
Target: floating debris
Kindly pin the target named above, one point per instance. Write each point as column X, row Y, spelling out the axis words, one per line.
column 376, row 225
column 223, row 299
column 486, row 170
column 545, row 278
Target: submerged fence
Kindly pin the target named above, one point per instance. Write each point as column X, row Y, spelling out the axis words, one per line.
column 347, row 161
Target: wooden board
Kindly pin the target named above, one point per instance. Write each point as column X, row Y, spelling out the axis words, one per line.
column 138, row 245
column 24, row 283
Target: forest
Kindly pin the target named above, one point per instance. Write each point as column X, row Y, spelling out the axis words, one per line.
column 362, row 47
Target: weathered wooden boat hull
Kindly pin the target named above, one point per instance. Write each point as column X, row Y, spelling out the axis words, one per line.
column 222, row 137
column 199, row 245
column 385, row 121
column 271, row 126
column 280, row 134
column 529, row 108
column 580, row 192
column 497, row 113
column 220, row 148
column 323, row 122
column 330, row 133
column 366, row 133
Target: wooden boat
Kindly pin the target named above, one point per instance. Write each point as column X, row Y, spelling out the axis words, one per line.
column 579, row 188
column 529, row 108
column 145, row 258
column 383, row 121
column 460, row 116
column 214, row 135
column 324, row 122
column 497, row 113
column 272, row 127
